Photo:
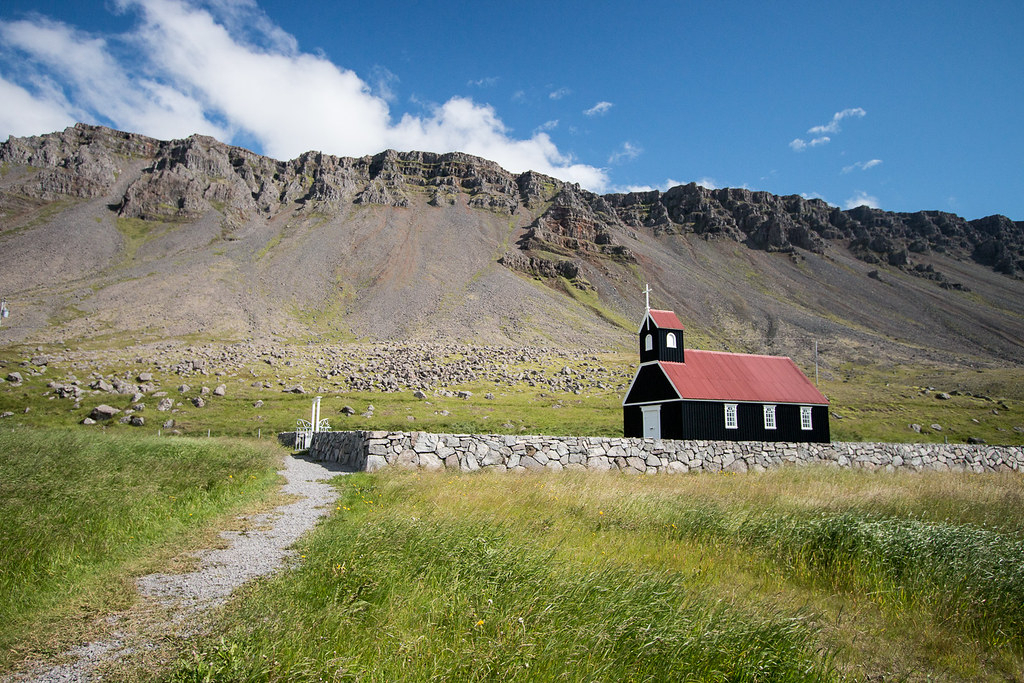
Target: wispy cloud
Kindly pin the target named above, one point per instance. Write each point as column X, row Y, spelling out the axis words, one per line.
column 548, row 125
column 599, row 108
column 384, row 82
column 820, row 135
column 833, row 125
column 627, row 152
column 861, row 198
column 559, row 93
column 799, row 144
column 225, row 69
column 862, row 165
column 707, row 183
column 487, row 82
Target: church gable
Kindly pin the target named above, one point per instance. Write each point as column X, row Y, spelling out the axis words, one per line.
column 650, row 384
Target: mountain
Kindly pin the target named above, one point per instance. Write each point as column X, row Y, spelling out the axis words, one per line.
column 111, row 237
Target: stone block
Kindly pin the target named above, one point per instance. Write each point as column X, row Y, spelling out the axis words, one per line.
column 636, row 463
column 431, row 462
column 531, row 463
column 408, row 459
column 492, row 458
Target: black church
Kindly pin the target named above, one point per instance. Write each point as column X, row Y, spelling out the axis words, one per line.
column 713, row 395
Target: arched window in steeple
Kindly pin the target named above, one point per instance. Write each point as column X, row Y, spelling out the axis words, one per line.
column 648, row 342
column 670, row 340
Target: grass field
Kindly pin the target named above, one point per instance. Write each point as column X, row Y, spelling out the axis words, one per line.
column 868, row 403
column 84, row 512
column 799, row 574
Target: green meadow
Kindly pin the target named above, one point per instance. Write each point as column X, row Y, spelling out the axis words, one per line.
column 799, row 574
column 796, row 574
column 868, row 403
column 85, row 512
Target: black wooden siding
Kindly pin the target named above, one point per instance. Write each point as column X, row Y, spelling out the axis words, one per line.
column 651, row 385
column 660, row 351
column 705, row 420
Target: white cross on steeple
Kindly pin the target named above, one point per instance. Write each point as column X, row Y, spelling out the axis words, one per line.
column 647, row 294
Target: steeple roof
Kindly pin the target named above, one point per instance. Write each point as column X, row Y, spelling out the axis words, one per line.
column 665, row 319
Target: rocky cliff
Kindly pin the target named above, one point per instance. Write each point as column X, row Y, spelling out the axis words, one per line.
column 389, row 242
column 186, row 178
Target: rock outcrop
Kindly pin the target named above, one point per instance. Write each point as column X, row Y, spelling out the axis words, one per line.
column 188, row 178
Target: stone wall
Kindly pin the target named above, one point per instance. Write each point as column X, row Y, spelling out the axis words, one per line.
column 364, row 450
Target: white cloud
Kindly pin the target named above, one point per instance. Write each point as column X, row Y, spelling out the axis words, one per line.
column 707, row 183
column 663, row 187
column 861, row 198
column 547, row 125
column 25, row 114
column 815, row 195
column 98, row 83
column 487, row 82
column 599, row 108
column 862, row 165
column 628, row 152
column 799, row 145
column 818, row 133
column 224, row 69
column 833, row 125
column 560, row 93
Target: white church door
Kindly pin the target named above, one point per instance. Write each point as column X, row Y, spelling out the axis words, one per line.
column 652, row 422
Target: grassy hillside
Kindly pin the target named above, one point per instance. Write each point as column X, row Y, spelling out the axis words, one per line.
column 547, row 392
column 800, row 574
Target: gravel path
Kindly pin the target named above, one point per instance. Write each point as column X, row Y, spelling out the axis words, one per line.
column 249, row 555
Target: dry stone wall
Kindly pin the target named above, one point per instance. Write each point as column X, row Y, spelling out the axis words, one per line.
column 374, row 450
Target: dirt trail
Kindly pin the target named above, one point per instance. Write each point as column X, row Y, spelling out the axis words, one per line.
column 182, row 596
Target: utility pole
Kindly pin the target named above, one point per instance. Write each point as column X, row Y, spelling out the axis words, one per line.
column 815, row 362
column 4, row 311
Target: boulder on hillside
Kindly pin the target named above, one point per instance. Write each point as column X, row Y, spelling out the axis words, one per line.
column 103, row 412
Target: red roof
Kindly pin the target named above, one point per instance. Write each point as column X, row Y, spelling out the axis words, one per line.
column 666, row 320
column 720, row 376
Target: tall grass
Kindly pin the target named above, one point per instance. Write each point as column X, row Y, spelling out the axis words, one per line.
column 806, row 574
column 391, row 590
column 81, row 509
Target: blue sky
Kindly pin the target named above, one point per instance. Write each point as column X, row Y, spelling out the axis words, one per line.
column 905, row 106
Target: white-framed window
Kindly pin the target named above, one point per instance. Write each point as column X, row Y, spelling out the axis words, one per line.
column 805, row 418
column 769, row 417
column 648, row 343
column 670, row 340
column 731, row 421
